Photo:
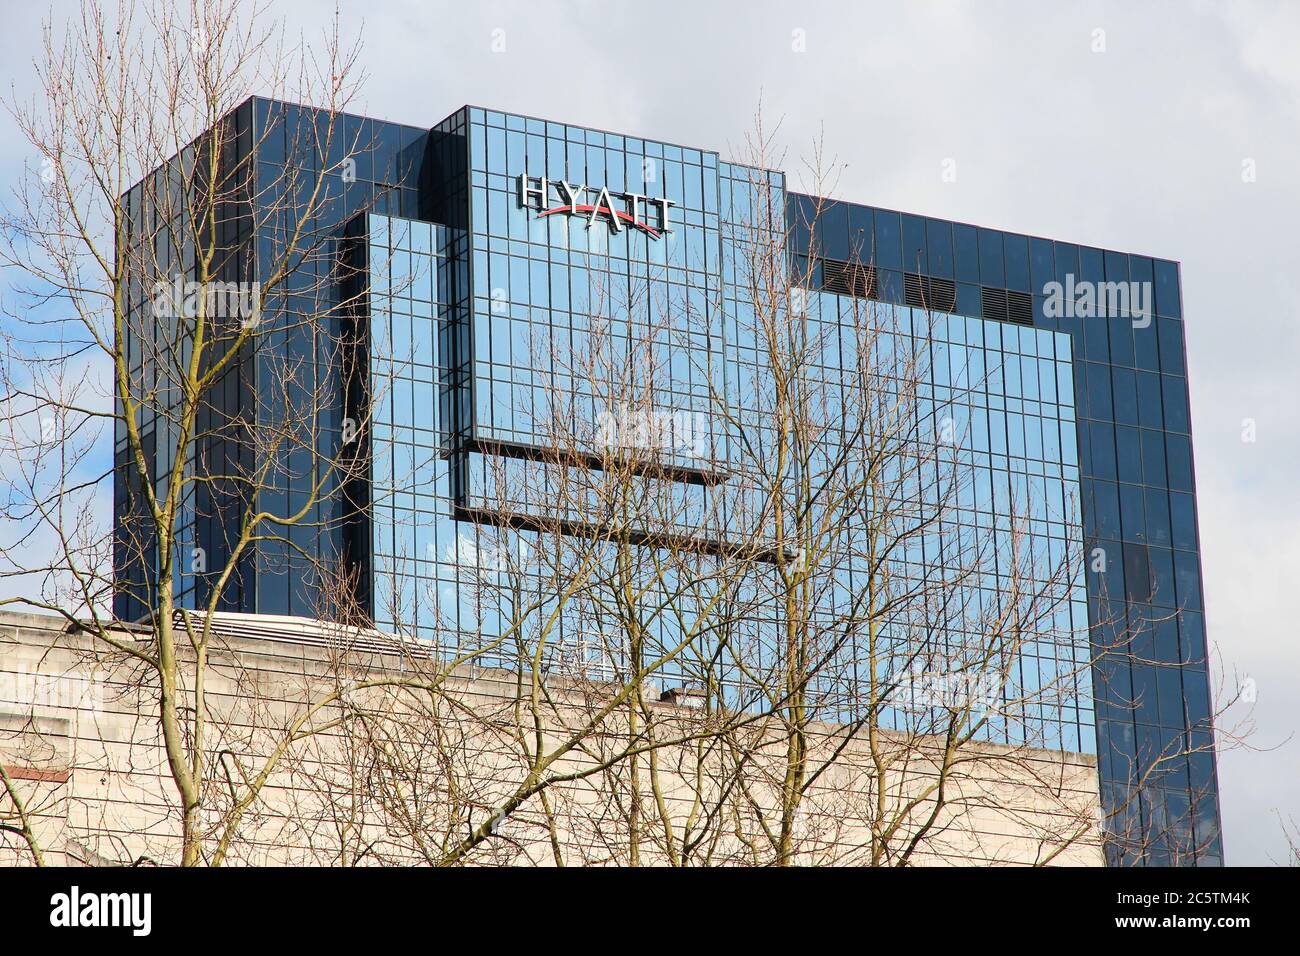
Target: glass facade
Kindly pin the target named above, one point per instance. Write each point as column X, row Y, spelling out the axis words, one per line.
column 1005, row 394
column 501, row 310
column 1154, row 711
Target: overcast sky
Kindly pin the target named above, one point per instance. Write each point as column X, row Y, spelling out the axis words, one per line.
column 1138, row 147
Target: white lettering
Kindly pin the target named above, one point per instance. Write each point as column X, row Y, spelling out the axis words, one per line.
column 536, row 189
column 74, row 909
column 527, row 190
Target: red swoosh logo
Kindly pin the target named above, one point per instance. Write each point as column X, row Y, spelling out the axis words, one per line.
column 613, row 212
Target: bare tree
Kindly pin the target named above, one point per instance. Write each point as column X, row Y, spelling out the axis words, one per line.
column 758, row 561
column 143, row 307
column 853, row 466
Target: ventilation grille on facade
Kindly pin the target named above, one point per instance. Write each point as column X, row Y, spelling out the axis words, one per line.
column 1020, row 308
column 849, row 278
column 995, row 303
column 1005, row 305
column 927, row 292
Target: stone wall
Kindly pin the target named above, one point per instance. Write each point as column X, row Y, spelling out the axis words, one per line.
column 388, row 773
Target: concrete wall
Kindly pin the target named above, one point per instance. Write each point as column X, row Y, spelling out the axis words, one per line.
column 390, row 776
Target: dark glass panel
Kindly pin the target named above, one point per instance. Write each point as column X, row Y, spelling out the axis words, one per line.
column 1091, row 265
column 915, row 258
column 1170, row 686
column 1017, row 261
column 1097, row 380
column 1102, row 450
column 1171, row 346
column 1146, row 707
column 1067, row 261
column 1191, row 637
column 938, row 233
column 1096, row 339
column 1106, row 500
column 1173, row 392
column 966, row 252
column 1167, row 297
column 1165, row 630
column 1148, row 399
column 1153, row 458
column 1116, row 266
column 1132, row 506
column 833, row 231
column 1188, row 573
column 992, row 271
column 1137, row 573
column 1121, row 340
column 1162, row 572
column 1157, row 515
column 861, row 234
column 889, row 241
column 1179, row 453
column 1124, row 382
column 1041, row 267
column 1183, row 519
column 1128, row 445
